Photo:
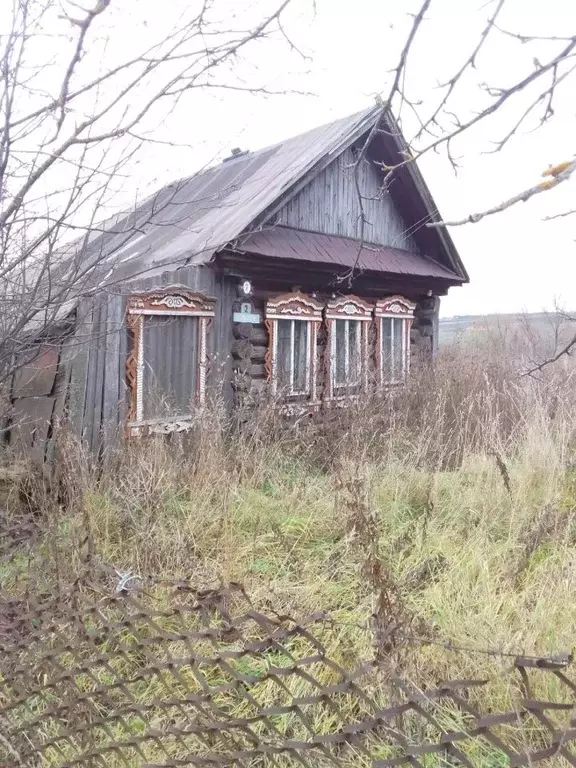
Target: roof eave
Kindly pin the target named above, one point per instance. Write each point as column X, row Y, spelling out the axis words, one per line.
column 229, row 256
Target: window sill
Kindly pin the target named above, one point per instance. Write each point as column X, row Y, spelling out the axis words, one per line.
column 343, row 401
column 393, row 384
column 161, row 426
column 299, row 408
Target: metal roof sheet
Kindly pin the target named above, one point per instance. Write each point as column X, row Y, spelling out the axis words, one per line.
column 288, row 243
column 187, row 221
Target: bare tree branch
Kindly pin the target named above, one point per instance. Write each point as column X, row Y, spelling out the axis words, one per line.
column 465, row 109
column 376, row 128
column 565, row 350
column 558, row 173
column 560, row 215
column 67, row 139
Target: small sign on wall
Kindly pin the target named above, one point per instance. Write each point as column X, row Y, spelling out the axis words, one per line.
column 247, row 314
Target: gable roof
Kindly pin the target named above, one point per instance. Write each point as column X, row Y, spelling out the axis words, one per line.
column 191, row 219
column 300, row 245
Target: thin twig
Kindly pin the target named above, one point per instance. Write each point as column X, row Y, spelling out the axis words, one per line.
column 559, row 173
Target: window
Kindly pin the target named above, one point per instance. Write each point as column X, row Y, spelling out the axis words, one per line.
column 293, row 354
column 166, row 368
column 170, row 365
column 292, row 321
column 362, row 340
column 394, row 318
column 347, row 353
column 348, row 319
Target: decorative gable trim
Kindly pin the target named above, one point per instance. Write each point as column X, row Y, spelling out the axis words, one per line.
column 171, row 300
column 350, row 307
column 294, row 305
column 394, row 306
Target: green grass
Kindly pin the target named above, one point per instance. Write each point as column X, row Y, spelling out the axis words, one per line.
column 419, row 487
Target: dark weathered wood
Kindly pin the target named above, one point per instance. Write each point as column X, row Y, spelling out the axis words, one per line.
column 259, row 335
column 97, row 436
column 80, row 352
column 436, row 325
column 31, row 420
column 258, row 371
column 278, row 275
column 259, row 353
column 242, row 331
column 222, row 337
column 329, row 204
column 241, row 348
column 427, row 305
column 122, row 383
column 62, row 393
column 113, row 372
column 37, row 376
column 92, row 421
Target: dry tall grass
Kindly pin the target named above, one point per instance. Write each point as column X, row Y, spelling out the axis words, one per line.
column 467, row 481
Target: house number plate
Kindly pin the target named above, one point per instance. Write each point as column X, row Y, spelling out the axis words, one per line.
column 246, row 314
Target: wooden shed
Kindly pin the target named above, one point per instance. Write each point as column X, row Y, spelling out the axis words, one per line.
column 252, row 275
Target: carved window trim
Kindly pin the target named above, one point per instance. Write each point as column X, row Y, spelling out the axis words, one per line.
column 297, row 307
column 349, row 309
column 398, row 309
column 173, row 300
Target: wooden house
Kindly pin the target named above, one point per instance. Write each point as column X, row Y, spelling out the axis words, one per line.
column 252, row 275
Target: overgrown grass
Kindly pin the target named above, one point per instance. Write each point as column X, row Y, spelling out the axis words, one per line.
column 484, row 564
column 466, row 482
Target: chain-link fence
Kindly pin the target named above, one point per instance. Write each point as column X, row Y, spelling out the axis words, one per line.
column 167, row 675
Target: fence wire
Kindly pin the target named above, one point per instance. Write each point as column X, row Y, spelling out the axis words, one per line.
column 168, row 675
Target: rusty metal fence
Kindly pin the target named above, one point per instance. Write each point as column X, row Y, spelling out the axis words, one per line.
column 166, row 675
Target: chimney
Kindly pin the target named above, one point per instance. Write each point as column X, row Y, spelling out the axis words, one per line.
column 236, row 152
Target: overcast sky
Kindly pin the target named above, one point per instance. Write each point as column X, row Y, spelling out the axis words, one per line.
column 516, row 260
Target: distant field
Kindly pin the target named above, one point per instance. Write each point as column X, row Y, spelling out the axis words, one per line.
column 535, row 334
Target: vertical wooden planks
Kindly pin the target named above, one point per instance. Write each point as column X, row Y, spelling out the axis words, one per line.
column 122, row 359
column 91, row 330
column 95, row 377
column 329, row 204
column 79, row 352
column 113, row 370
column 61, row 392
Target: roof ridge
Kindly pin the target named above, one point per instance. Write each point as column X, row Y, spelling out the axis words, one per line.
column 250, row 154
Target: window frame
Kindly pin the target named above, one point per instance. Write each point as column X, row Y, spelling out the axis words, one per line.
column 296, row 307
column 349, row 309
column 171, row 301
column 396, row 308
